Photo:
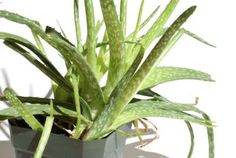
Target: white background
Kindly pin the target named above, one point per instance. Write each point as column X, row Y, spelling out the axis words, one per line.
column 213, row 20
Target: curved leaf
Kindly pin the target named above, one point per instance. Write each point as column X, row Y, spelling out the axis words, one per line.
column 24, row 112
column 158, row 109
column 190, row 128
column 32, row 47
column 161, row 75
column 93, row 93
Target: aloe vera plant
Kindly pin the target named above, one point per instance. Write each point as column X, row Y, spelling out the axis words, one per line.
column 95, row 111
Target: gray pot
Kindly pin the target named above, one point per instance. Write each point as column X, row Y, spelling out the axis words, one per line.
column 25, row 142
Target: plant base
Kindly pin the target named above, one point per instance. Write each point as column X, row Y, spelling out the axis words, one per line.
column 25, row 142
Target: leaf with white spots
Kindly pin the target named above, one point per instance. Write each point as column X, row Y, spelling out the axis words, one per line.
column 41, row 109
column 24, row 112
column 160, row 75
column 157, row 108
column 92, row 93
column 116, row 45
column 105, row 120
column 155, row 31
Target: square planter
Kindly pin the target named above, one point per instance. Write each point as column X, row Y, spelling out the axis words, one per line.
column 25, row 143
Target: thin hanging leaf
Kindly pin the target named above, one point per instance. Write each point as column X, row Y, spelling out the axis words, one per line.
column 210, row 133
column 159, row 109
column 24, row 112
column 187, row 107
column 161, row 75
column 190, row 128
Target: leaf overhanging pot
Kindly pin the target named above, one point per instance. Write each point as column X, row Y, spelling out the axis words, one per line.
column 25, row 143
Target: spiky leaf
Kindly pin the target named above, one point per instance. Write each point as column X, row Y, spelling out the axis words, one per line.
column 116, row 43
column 106, row 118
column 161, row 75
column 24, row 112
column 159, row 109
column 93, row 93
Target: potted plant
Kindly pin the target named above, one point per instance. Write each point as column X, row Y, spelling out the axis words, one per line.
column 85, row 119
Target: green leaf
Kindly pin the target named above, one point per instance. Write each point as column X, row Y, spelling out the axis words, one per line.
column 157, row 108
column 24, row 42
column 116, row 43
column 91, row 35
column 75, row 84
column 38, row 109
column 101, row 59
column 161, row 75
column 105, row 120
column 44, row 137
column 187, row 107
column 127, row 77
column 146, row 21
column 137, row 28
column 24, row 112
column 47, row 71
column 159, row 24
column 98, row 27
column 55, row 34
column 40, row 45
column 123, row 15
column 61, row 29
column 210, row 133
column 190, row 128
column 42, row 109
column 155, row 30
column 77, row 26
column 197, row 38
column 92, row 93
column 37, row 100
